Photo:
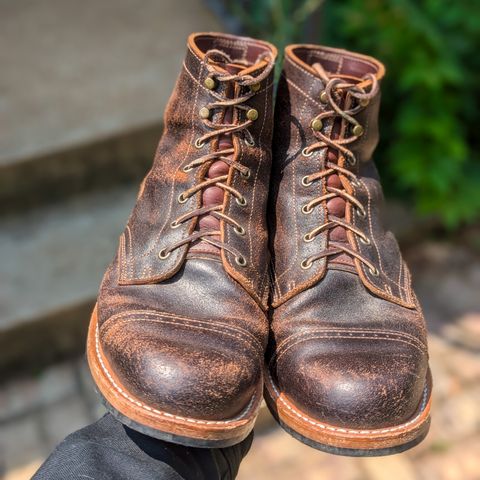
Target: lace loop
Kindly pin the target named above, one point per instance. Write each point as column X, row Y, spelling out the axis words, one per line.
column 225, row 155
column 340, row 146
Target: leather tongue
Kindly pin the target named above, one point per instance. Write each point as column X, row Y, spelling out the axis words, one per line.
column 214, row 195
column 336, row 206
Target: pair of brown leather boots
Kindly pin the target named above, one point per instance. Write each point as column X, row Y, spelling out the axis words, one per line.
column 195, row 319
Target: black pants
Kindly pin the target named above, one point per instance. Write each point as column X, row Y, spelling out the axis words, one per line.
column 108, row 450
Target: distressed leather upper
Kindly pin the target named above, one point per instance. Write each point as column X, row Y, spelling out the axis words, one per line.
column 185, row 332
column 348, row 336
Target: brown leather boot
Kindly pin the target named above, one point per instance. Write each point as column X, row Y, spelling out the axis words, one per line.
column 347, row 365
column 177, row 340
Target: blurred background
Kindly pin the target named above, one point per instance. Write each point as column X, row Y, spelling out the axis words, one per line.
column 83, row 86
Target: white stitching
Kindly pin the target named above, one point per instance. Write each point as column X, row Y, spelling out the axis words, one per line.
column 165, row 414
column 347, row 430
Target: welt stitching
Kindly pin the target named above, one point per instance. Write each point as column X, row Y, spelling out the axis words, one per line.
column 346, row 430
column 159, row 412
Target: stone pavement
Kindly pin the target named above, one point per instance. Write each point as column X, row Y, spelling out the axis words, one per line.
column 38, row 411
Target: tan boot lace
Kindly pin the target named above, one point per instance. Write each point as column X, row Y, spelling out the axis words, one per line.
column 340, row 149
column 226, row 155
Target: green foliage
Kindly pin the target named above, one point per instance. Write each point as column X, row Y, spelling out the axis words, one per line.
column 429, row 153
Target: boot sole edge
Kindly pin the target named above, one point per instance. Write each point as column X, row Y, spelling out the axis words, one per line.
column 132, row 412
column 346, row 441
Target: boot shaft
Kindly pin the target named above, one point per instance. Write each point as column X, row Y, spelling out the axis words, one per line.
column 226, row 85
column 325, row 186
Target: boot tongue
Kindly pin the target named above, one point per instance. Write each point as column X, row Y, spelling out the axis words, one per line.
column 336, row 206
column 214, row 195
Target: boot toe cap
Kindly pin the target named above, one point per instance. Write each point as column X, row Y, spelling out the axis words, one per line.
column 354, row 386
column 182, row 371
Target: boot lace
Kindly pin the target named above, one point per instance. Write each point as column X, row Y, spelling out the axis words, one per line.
column 226, row 155
column 339, row 147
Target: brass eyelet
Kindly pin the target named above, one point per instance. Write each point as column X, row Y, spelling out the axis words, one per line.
column 305, row 181
column 175, row 224
column 361, row 213
column 374, row 272
column 364, row 102
column 249, row 143
column 254, row 87
column 308, row 238
column 246, row 174
column 199, row 143
column 241, row 201
column 252, row 114
column 365, row 240
column 307, row 153
column 187, row 168
column 163, row 254
column 357, row 130
column 210, row 83
column 324, row 96
column 240, row 260
column 306, row 264
column 306, row 210
column 204, row 113
column 316, row 124
column 182, row 199
column 239, row 230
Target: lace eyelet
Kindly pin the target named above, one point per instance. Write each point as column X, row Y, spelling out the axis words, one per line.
column 175, row 224
column 374, row 272
column 356, row 183
column 240, row 260
column 182, row 199
column 357, row 130
column 249, row 143
column 308, row 238
column 210, row 83
column 307, row 153
column 199, row 143
column 247, row 174
column 241, row 201
column 239, row 230
column 187, row 168
column 163, row 254
column 361, row 213
column 365, row 241
column 306, row 264
column 306, row 210
column 323, row 96
column 305, row 181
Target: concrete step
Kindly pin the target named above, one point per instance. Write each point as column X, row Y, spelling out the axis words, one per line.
column 53, row 259
column 83, row 89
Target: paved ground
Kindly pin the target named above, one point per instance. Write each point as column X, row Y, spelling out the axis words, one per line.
column 37, row 412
